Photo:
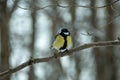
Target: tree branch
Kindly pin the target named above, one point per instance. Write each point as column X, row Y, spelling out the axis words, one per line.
column 58, row 55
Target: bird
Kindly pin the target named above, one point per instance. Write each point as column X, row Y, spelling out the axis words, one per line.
column 63, row 41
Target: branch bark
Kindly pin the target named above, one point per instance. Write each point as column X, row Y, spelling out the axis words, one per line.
column 58, row 55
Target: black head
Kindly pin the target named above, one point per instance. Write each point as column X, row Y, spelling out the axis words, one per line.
column 64, row 32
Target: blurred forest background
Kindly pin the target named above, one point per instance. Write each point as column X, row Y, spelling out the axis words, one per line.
column 28, row 27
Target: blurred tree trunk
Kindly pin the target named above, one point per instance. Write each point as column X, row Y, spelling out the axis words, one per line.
column 110, row 66
column 4, row 31
column 72, row 11
column 74, row 31
column 97, row 51
column 104, row 58
column 32, row 48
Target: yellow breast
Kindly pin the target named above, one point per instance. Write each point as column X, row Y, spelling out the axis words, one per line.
column 59, row 42
column 69, row 42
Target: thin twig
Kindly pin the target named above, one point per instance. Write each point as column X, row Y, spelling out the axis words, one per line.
column 75, row 5
column 114, row 19
column 72, row 51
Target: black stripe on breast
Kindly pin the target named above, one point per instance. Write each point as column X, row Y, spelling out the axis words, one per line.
column 65, row 43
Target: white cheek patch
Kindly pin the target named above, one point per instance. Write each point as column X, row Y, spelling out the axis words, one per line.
column 66, row 33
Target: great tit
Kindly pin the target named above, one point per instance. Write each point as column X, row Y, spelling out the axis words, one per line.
column 63, row 41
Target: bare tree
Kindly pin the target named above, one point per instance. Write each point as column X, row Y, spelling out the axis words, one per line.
column 109, row 53
column 4, row 31
column 32, row 45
